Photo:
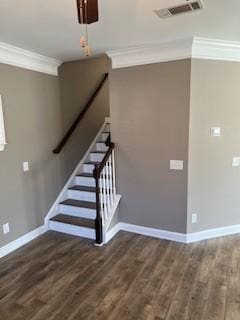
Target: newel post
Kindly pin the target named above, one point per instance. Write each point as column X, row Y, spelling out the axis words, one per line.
column 98, row 220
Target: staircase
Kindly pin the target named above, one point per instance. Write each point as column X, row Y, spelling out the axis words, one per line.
column 88, row 202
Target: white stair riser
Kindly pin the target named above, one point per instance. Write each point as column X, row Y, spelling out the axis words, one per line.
column 104, row 136
column 77, row 212
column 107, row 128
column 88, row 168
column 101, row 147
column 97, row 157
column 85, row 181
column 82, row 195
column 71, row 229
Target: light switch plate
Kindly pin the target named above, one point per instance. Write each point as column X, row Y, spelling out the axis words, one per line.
column 194, row 218
column 25, row 166
column 176, row 164
column 215, row 131
column 236, row 162
column 6, row 228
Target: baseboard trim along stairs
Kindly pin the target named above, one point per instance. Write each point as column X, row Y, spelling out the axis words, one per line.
column 76, row 210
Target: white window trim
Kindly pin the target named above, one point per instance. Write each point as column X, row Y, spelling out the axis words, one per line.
column 2, row 128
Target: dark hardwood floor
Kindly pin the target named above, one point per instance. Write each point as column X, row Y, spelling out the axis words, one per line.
column 59, row 277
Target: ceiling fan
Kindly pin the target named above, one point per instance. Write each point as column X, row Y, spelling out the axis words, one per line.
column 87, row 14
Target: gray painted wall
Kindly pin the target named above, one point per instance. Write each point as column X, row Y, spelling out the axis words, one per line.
column 36, row 115
column 78, row 80
column 33, row 126
column 149, row 108
column 214, row 185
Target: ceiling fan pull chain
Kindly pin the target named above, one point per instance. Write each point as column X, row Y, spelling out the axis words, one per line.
column 87, row 48
column 82, row 38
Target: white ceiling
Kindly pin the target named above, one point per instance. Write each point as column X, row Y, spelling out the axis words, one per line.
column 51, row 28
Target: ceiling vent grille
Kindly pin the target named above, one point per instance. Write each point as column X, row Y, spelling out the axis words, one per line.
column 184, row 8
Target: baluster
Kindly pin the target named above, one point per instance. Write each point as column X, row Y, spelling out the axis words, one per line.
column 98, row 220
column 101, row 197
column 107, row 189
column 104, row 192
column 110, row 180
column 114, row 174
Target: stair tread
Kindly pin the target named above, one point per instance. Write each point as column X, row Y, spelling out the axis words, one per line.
column 101, row 152
column 82, row 188
column 79, row 203
column 85, row 174
column 81, row 222
column 92, row 162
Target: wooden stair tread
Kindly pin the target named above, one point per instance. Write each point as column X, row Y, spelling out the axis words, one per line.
column 79, row 203
column 80, row 222
column 82, row 188
column 100, row 152
column 93, row 162
column 85, row 174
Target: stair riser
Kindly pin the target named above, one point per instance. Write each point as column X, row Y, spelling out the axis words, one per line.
column 96, row 157
column 88, row 168
column 82, row 195
column 77, row 212
column 71, row 229
column 85, row 181
column 101, row 147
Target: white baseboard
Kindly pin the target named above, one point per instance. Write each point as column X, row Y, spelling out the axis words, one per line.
column 156, row 233
column 152, row 232
column 16, row 244
column 173, row 236
column 212, row 233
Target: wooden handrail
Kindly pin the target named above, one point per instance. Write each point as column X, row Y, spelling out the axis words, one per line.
column 67, row 136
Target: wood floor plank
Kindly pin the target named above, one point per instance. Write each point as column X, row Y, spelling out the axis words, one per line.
column 216, row 300
column 60, row 277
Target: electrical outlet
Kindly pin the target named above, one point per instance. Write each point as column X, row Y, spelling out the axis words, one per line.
column 194, row 218
column 25, row 166
column 6, row 228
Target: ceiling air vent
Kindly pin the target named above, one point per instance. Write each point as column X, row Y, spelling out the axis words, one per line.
column 188, row 7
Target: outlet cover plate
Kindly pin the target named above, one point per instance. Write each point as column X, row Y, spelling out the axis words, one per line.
column 194, row 218
column 6, row 228
column 25, row 166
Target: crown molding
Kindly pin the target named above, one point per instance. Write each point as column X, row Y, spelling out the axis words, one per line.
column 197, row 48
column 213, row 49
column 28, row 60
column 168, row 51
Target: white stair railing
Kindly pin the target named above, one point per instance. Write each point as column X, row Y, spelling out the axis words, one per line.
column 105, row 191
